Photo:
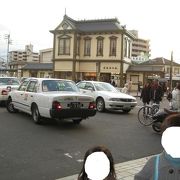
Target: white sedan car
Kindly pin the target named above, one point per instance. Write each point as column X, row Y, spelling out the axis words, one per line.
column 51, row 98
column 6, row 85
column 107, row 97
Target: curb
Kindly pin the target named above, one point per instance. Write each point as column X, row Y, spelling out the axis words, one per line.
column 124, row 171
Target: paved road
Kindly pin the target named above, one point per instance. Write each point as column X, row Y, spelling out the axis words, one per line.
column 29, row 151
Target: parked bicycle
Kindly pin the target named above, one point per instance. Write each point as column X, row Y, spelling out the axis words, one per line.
column 145, row 114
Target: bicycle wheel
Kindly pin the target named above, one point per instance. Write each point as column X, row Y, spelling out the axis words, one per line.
column 155, row 108
column 145, row 115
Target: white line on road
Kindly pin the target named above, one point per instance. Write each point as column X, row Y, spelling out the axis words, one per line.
column 68, row 155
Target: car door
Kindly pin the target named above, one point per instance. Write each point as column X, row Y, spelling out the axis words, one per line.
column 18, row 95
column 89, row 89
column 30, row 95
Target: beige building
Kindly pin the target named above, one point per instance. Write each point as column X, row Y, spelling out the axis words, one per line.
column 140, row 48
column 19, row 58
column 39, row 70
column 158, row 68
column 42, row 69
column 91, row 50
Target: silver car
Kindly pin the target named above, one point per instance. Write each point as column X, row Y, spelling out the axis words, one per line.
column 107, row 96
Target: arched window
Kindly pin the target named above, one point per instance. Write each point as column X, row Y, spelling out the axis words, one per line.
column 100, row 40
column 87, row 46
column 64, row 45
column 113, row 44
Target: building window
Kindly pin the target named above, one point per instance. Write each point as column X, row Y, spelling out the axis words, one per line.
column 129, row 49
column 87, row 46
column 100, row 46
column 78, row 47
column 42, row 74
column 113, row 42
column 125, row 47
column 168, row 70
column 64, row 46
column 176, row 70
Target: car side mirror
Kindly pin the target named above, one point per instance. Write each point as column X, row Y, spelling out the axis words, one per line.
column 91, row 89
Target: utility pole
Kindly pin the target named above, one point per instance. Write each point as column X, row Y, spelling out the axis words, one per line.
column 122, row 58
column 170, row 75
column 7, row 36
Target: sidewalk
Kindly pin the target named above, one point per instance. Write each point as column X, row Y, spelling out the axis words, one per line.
column 124, row 171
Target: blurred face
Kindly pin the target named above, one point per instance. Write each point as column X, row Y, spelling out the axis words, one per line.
column 97, row 166
column 170, row 141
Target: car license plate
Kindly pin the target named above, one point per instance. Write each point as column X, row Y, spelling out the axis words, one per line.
column 75, row 105
column 126, row 106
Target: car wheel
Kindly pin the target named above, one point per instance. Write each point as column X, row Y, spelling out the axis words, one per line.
column 35, row 114
column 77, row 121
column 10, row 106
column 126, row 110
column 100, row 104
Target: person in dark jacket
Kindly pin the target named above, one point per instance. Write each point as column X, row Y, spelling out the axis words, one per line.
column 166, row 165
column 156, row 93
column 145, row 93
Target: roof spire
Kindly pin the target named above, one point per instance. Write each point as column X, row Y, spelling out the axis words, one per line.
column 65, row 11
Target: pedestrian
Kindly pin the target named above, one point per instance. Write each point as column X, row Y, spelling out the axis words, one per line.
column 129, row 86
column 98, row 165
column 176, row 98
column 139, row 88
column 125, row 89
column 145, row 93
column 113, row 83
column 156, row 92
column 166, row 165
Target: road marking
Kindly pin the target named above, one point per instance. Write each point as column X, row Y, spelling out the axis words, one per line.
column 68, row 155
column 80, row 160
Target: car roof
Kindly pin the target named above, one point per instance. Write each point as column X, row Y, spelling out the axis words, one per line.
column 93, row 81
column 42, row 79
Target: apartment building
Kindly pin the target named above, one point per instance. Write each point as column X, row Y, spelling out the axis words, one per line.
column 140, row 48
column 91, row 50
column 19, row 58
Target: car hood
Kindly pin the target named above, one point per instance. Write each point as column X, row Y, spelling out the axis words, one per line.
column 116, row 95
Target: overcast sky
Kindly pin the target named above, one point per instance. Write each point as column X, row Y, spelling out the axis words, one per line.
column 29, row 21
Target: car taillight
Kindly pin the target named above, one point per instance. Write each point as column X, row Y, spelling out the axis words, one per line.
column 4, row 92
column 92, row 105
column 56, row 105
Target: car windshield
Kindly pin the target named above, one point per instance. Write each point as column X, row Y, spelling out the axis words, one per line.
column 104, row 87
column 59, row 85
column 9, row 81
